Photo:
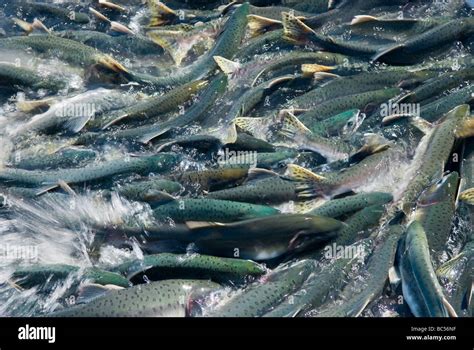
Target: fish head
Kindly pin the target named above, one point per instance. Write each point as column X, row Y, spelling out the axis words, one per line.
column 353, row 123
column 164, row 160
column 80, row 18
column 316, row 229
column 442, row 190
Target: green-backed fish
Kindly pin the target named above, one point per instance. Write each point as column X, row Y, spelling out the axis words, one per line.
column 168, row 266
column 169, row 298
column 421, row 288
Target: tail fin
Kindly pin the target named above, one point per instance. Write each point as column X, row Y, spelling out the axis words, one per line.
column 160, row 14
column 259, row 25
column 373, row 144
column 294, row 29
column 386, row 51
column 308, row 184
column 291, row 126
column 177, row 47
column 258, row 127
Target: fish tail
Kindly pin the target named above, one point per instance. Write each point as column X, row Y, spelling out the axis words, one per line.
column 259, row 24
column 294, row 29
column 160, row 14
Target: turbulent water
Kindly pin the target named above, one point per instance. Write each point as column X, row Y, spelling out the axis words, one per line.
column 99, row 101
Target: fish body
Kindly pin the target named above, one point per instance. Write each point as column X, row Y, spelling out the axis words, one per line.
column 65, row 49
column 31, row 276
column 439, row 145
column 61, row 159
column 139, row 165
column 259, row 297
column 168, row 266
column 225, row 46
column 272, row 190
column 169, row 298
column 341, row 206
column 356, row 84
column 146, row 189
column 418, row 46
column 16, row 76
column 363, row 101
column 256, row 239
column 359, row 293
column 421, row 289
column 435, row 210
column 205, row 209
column 456, row 276
column 137, row 44
column 75, row 112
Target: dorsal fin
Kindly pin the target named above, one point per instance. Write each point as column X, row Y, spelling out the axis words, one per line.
column 111, row 5
column 99, row 15
column 363, row 19
column 309, row 69
column 92, row 291
column 227, row 66
column 25, row 26
column 120, row 28
column 199, row 224
column 386, row 51
column 158, row 197
column 256, row 174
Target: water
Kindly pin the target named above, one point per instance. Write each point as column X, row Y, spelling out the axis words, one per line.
column 62, row 225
